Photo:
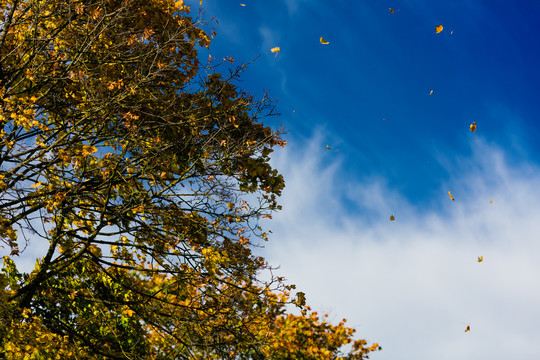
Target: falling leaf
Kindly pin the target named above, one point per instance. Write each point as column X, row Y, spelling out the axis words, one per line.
column 392, row 218
column 468, row 328
column 431, row 92
column 330, row 148
column 275, row 50
column 200, row 3
column 323, row 41
column 438, row 28
column 480, row 258
column 392, row 11
column 451, row 32
column 242, row 4
column 385, row 118
column 451, row 197
column 491, row 201
column 473, row 127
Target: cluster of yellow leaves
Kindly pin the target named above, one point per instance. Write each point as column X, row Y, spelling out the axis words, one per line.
column 27, row 338
column 312, row 337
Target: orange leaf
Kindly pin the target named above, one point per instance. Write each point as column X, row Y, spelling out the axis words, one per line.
column 451, row 197
column 438, row 28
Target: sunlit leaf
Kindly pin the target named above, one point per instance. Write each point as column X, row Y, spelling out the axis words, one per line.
column 450, row 194
column 392, row 11
column 242, row 4
column 323, row 41
column 438, row 28
column 473, row 127
column 480, row 259
column 392, row 218
column 431, row 92
column 275, row 49
column 179, row 4
column 468, row 328
column 36, row 185
column 328, row 147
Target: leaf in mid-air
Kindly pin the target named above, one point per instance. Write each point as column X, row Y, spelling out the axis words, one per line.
column 392, row 218
column 468, row 328
column 450, row 194
column 431, row 92
column 392, row 11
column 438, row 28
column 473, row 127
column 480, row 259
column 275, row 49
column 323, row 41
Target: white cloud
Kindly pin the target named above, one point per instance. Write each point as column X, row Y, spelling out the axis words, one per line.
column 414, row 284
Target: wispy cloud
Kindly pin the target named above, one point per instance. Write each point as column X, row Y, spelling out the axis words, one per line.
column 413, row 284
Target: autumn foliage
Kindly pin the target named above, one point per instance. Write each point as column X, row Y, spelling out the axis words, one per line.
column 142, row 173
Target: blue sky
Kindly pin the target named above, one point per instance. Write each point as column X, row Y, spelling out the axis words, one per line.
column 412, row 284
column 383, row 66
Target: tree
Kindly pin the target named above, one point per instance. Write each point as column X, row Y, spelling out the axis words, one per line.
column 144, row 171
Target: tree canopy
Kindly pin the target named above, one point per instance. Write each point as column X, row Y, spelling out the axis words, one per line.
column 143, row 172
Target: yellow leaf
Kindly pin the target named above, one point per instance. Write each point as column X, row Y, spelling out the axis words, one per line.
column 88, row 150
column 179, row 4
column 242, row 4
column 438, row 28
column 328, row 147
column 323, row 41
column 491, row 201
column 36, row 185
column 431, row 92
column 275, row 49
column 468, row 328
column 480, row 258
column 200, row 3
column 392, row 218
column 473, row 127
column 451, row 197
